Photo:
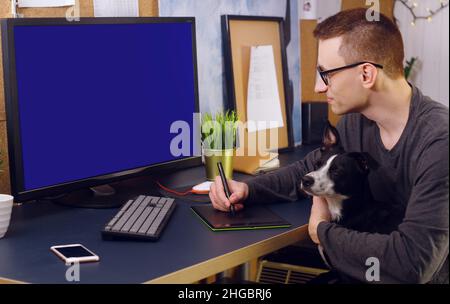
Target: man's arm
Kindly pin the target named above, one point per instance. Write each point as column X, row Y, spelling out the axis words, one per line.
column 419, row 247
column 282, row 184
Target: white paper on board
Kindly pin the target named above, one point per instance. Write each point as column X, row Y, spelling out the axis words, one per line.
column 45, row 3
column 263, row 98
column 116, row 8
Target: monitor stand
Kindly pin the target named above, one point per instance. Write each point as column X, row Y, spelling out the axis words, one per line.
column 93, row 199
column 107, row 196
column 104, row 190
column 111, row 196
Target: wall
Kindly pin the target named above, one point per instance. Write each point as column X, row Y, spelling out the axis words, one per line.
column 146, row 8
column 209, row 44
column 429, row 41
column 327, row 8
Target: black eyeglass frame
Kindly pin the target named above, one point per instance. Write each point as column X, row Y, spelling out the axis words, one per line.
column 324, row 74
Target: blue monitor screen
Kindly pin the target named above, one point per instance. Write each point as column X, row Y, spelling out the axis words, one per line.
column 97, row 99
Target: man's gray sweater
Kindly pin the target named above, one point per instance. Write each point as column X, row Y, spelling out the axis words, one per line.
column 413, row 175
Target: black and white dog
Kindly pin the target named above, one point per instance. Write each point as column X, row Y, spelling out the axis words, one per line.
column 342, row 179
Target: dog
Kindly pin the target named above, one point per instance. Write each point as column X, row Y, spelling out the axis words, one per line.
column 342, row 179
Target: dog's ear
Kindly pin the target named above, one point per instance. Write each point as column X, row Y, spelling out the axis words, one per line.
column 330, row 136
column 364, row 160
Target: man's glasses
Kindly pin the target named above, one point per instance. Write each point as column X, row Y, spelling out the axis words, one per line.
column 325, row 75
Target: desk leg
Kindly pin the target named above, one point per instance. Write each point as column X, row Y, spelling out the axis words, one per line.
column 233, row 273
column 210, row 280
column 251, row 270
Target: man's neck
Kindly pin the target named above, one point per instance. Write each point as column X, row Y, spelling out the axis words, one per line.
column 389, row 107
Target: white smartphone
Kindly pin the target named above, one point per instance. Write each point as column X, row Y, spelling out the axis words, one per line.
column 74, row 253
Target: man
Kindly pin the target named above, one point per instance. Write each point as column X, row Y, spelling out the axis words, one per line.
column 404, row 131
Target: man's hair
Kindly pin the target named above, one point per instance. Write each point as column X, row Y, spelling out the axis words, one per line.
column 363, row 40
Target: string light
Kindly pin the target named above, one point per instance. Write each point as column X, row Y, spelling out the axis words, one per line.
column 407, row 3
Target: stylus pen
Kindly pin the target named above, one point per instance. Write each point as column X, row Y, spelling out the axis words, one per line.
column 225, row 186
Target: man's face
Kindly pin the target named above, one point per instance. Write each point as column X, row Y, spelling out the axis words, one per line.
column 344, row 91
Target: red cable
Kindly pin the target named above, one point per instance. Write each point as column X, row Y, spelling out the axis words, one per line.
column 173, row 191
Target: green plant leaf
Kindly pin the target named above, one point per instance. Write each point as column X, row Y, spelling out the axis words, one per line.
column 409, row 67
column 219, row 131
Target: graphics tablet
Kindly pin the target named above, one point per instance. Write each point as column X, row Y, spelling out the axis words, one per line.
column 254, row 217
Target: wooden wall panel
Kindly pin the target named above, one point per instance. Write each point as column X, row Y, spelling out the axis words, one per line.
column 4, row 174
column 386, row 6
column 2, row 91
column 147, row 8
column 308, row 46
column 5, row 9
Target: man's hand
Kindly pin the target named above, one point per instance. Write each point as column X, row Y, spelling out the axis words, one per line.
column 239, row 193
column 319, row 213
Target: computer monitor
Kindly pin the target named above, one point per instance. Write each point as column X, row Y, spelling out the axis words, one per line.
column 94, row 101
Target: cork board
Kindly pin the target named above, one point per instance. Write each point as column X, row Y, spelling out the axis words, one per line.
column 240, row 33
column 147, row 8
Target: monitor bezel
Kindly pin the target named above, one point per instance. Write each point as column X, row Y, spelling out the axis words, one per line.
column 13, row 119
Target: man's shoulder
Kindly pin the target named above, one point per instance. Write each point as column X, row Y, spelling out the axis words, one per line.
column 428, row 134
column 430, row 109
column 430, row 116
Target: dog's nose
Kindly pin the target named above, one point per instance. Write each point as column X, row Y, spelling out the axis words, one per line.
column 307, row 181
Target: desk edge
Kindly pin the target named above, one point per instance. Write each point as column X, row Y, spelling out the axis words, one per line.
column 10, row 281
column 229, row 260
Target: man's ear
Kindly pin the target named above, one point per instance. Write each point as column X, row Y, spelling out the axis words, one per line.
column 330, row 136
column 369, row 75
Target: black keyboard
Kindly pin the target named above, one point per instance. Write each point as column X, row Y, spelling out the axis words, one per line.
column 143, row 218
